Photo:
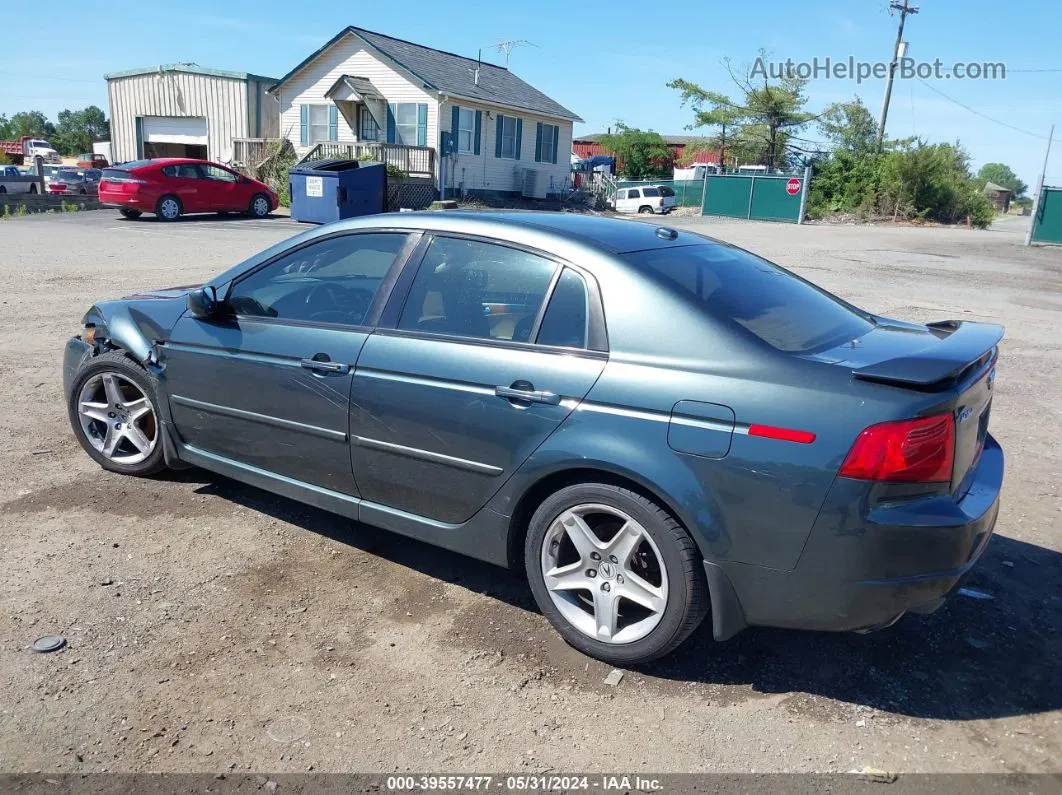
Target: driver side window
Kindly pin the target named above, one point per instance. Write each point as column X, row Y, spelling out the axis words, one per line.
column 328, row 281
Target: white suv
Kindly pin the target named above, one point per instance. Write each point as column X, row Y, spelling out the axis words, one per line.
column 646, row 199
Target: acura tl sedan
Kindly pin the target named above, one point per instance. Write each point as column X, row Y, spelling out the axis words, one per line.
column 652, row 424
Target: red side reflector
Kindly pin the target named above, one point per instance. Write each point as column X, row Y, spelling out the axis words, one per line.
column 785, row 434
column 910, row 451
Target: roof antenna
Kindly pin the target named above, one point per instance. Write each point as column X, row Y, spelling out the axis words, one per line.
column 508, row 45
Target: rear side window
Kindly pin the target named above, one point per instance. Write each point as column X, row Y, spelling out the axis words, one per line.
column 633, row 194
column 737, row 287
column 650, row 192
column 472, row 289
column 567, row 316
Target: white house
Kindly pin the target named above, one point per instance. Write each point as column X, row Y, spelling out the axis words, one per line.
column 474, row 127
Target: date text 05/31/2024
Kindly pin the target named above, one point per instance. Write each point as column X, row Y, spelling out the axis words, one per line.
column 526, row 783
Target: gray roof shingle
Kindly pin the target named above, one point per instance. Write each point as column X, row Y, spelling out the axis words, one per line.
column 453, row 74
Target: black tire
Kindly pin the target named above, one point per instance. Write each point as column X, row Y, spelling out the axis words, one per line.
column 119, row 363
column 162, row 208
column 3, row 188
column 646, row 210
column 132, row 215
column 33, row 188
column 258, row 209
column 687, row 601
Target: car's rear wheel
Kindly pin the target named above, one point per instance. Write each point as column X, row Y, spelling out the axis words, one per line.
column 33, row 188
column 113, row 409
column 132, row 215
column 260, row 206
column 646, row 210
column 3, row 189
column 168, row 208
column 617, row 576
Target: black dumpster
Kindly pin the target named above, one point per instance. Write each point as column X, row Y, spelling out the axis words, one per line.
column 329, row 190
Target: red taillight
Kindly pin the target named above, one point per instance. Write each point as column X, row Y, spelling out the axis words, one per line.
column 910, row 451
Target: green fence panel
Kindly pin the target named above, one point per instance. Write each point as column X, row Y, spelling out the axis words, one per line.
column 728, row 196
column 1047, row 223
column 771, row 201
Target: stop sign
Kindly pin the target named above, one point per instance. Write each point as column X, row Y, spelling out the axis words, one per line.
column 792, row 187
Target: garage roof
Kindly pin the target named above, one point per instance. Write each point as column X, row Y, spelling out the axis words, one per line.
column 190, row 68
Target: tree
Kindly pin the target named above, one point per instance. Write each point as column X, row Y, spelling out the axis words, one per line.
column 640, row 154
column 31, row 122
column 78, row 129
column 763, row 119
column 849, row 126
column 1002, row 175
column 5, row 127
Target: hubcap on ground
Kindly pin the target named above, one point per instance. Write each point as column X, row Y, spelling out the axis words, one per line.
column 117, row 418
column 604, row 573
column 169, row 208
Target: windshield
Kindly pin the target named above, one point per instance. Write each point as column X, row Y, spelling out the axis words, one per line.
column 739, row 288
column 40, row 144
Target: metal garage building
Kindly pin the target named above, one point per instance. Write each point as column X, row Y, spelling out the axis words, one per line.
column 184, row 110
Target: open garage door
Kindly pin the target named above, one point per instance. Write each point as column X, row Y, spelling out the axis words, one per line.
column 175, row 136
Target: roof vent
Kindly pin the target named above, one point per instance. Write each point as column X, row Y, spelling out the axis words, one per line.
column 666, row 233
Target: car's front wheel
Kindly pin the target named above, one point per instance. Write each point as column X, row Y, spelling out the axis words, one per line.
column 260, row 206
column 113, row 409
column 615, row 573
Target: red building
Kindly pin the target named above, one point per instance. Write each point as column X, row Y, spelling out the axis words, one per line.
column 587, row 146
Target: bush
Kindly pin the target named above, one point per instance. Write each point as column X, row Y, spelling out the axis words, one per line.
column 917, row 181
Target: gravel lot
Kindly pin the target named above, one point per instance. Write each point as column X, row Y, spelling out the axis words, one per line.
column 215, row 627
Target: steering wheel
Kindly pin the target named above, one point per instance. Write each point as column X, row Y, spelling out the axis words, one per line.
column 349, row 304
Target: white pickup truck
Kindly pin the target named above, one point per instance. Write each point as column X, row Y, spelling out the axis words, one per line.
column 14, row 181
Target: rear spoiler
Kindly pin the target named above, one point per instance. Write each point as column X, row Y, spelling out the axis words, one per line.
column 961, row 345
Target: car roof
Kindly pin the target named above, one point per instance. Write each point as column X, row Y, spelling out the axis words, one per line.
column 612, row 235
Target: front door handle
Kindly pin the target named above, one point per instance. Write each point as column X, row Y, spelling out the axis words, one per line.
column 527, row 392
column 324, row 365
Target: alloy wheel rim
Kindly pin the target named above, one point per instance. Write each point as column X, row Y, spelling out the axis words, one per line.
column 117, row 418
column 604, row 573
column 169, row 208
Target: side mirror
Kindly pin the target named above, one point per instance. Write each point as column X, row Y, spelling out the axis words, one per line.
column 203, row 301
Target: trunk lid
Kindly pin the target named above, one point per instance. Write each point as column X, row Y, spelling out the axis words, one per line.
column 955, row 359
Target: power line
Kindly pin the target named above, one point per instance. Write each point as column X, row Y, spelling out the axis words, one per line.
column 979, row 113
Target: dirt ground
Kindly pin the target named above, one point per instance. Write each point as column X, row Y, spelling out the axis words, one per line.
column 215, row 627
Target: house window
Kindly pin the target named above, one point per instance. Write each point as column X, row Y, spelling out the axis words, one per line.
column 406, row 123
column 318, row 123
column 466, row 130
column 368, row 130
column 548, row 155
column 508, row 137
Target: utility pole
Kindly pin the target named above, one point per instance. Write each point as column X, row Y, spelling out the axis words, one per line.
column 1040, row 188
column 904, row 10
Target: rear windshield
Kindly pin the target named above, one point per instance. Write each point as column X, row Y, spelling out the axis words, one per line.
column 650, row 192
column 735, row 286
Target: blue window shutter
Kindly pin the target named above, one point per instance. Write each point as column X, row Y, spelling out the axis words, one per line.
column 304, row 125
column 538, row 142
column 391, row 122
column 519, row 135
column 556, row 141
column 455, row 128
column 422, row 124
column 479, row 124
column 497, row 135
column 333, row 123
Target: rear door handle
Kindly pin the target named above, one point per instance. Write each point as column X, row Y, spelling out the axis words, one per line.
column 324, row 366
column 529, row 395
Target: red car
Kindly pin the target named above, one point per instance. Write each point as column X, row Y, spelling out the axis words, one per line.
column 170, row 187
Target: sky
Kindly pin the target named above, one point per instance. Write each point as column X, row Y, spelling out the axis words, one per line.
column 608, row 64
